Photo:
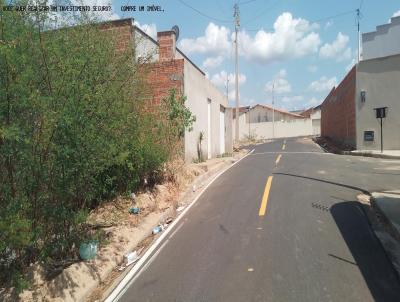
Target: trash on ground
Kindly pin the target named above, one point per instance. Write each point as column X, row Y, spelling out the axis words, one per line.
column 134, row 210
column 157, row 229
column 133, row 196
column 130, row 258
column 88, row 250
column 194, row 188
column 180, row 208
column 169, row 220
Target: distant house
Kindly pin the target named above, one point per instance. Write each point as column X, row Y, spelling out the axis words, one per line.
column 314, row 113
column 171, row 68
column 348, row 114
column 265, row 122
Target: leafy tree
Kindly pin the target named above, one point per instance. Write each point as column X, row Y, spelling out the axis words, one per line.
column 74, row 130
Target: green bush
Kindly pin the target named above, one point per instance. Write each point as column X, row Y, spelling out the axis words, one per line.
column 74, row 130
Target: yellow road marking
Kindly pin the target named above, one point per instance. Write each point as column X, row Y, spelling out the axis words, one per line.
column 283, row 147
column 264, row 201
column 278, row 159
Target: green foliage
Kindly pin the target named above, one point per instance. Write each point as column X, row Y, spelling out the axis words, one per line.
column 74, row 130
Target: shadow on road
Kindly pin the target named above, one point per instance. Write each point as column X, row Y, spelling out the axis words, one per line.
column 327, row 181
column 367, row 251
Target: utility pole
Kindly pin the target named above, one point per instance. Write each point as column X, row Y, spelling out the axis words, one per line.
column 273, row 110
column 237, row 25
column 358, row 35
column 227, row 86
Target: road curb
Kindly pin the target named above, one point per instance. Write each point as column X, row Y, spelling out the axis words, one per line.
column 384, row 232
column 392, row 229
column 368, row 154
column 157, row 245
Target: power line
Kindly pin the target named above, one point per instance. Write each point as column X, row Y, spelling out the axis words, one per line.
column 246, row 2
column 318, row 20
column 203, row 14
column 263, row 12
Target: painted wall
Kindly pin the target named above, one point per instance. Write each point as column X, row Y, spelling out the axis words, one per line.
column 380, row 79
column 146, row 48
column 259, row 114
column 316, row 121
column 198, row 90
column 385, row 41
column 293, row 128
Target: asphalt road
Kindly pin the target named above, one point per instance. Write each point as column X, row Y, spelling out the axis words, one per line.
column 314, row 242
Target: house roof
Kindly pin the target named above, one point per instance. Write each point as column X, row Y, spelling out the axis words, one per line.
column 307, row 112
column 242, row 110
column 279, row 110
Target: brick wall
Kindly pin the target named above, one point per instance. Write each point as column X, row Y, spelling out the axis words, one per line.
column 338, row 117
column 121, row 31
column 163, row 76
column 167, row 45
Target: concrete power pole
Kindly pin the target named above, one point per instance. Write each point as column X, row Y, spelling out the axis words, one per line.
column 273, row 111
column 237, row 25
column 358, row 36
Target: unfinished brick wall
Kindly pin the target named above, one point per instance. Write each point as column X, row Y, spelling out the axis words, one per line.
column 163, row 76
column 167, row 45
column 122, row 31
column 338, row 112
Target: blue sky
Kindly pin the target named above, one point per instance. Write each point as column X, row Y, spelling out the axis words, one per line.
column 290, row 43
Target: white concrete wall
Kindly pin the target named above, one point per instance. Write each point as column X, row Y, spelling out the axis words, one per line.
column 198, row 90
column 385, row 41
column 380, row 79
column 259, row 114
column 316, row 122
column 294, row 128
column 146, row 49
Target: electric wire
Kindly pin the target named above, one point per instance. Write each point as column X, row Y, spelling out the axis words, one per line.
column 203, row 14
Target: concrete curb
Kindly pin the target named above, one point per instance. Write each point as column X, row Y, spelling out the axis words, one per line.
column 368, row 154
column 185, row 199
column 393, row 230
column 134, row 272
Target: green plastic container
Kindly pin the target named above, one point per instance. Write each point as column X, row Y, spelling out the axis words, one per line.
column 88, row 250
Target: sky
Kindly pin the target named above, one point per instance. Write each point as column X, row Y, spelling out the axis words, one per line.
column 296, row 50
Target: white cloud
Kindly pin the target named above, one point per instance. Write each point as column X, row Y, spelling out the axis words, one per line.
column 291, row 38
column 337, row 49
column 312, row 68
column 323, row 84
column 350, row 65
column 212, row 62
column 279, row 84
column 220, row 79
column 214, row 42
column 313, row 102
column 292, row 99
column 150, row 29
column 396, row 14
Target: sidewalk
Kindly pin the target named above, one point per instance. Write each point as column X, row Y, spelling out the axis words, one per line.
column 388, row 204
column 394, row 154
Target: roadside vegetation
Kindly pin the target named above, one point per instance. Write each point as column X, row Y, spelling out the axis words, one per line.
column 75, row 130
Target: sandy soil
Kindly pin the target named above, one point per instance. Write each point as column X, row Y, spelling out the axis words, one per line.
column 87, row 280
